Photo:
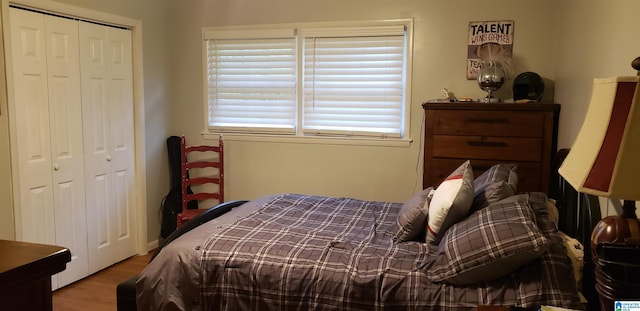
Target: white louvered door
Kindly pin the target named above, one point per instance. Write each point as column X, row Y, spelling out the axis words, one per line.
column 107, row 97
column 48, row 116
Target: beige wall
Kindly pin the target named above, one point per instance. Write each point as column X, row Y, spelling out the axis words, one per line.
column 596, row 39
column 173, row 93
column 376, row 173
column 569, row 42
column 6, row 203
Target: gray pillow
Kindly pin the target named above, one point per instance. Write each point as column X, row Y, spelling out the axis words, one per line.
column 495, row 184
column 412, row 218
column 491, row 243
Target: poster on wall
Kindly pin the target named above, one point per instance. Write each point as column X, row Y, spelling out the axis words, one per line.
column 489, row 41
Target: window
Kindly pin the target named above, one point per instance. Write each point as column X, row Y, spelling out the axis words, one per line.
column 339, row 80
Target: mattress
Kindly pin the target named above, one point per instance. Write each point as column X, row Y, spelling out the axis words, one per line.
column 304, row 252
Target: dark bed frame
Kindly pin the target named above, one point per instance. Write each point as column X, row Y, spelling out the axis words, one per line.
column 578, row 214
column 126, row 291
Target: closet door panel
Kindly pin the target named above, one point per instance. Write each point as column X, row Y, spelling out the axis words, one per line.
column 119, row 75
column 35, row 217
column 38, row 222
column 123, row 222
column 63, row 66
column 71, row 230
column 100, row 210
column 105, row 52
column 100, row 234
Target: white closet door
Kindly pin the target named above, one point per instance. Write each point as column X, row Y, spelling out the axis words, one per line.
column 122, row 144
column 49, row 122
column 65, row 115
column 35, row 212
column 107, row 99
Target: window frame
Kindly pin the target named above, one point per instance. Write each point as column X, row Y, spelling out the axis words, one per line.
column 299, row 134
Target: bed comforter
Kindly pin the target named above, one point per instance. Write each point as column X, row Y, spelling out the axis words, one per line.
column 301, row 252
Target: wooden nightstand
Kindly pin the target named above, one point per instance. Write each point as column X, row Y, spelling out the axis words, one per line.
column 25, row 274
column 486, row 134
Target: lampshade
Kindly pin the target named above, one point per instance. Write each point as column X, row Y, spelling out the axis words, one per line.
column 605, row 161
column 605, row 157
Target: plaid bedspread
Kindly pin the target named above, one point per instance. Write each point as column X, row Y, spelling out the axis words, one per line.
column 301, row 252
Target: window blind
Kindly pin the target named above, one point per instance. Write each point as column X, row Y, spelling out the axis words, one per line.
column 354, row 82
column 251, row 82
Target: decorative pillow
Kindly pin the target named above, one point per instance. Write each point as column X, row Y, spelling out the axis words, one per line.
column 552, row 210
column 450, row 203
column 412, row 218
column 575, row 252
column 489, row 244
column 495, row 184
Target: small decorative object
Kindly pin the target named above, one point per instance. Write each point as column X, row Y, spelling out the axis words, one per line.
column 493, row 70
column 448, row 95
column 490, row 78
column 528, row 86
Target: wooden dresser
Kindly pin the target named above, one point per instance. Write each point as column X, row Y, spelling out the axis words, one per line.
column 25, row 274
column 486, row 134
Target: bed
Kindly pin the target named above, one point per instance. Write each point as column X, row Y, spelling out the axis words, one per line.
column 304, row 252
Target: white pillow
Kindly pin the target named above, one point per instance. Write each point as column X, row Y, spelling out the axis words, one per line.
column 450, row 203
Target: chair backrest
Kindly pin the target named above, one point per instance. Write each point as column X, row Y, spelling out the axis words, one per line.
column 209, row 160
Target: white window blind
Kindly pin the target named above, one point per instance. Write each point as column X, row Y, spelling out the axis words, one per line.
column 354, row 81
column 349, row 79
column 251, row 79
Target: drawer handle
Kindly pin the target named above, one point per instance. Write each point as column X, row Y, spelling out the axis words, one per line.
column 488, row 120
column 476, row 143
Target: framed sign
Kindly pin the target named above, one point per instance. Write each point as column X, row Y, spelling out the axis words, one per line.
column 489, row 41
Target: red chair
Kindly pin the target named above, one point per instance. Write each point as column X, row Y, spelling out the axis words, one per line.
column 205, row 183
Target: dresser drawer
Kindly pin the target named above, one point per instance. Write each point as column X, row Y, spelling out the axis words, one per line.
column 528, row 172
column 487, row 148
column 487, row 123
column 487, row 134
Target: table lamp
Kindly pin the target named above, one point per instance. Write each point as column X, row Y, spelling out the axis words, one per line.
column 605, row 161
column 605, row 157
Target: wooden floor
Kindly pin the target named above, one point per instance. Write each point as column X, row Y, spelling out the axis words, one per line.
column 98, row 291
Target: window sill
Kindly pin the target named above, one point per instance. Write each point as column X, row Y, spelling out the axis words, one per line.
column 351, row 141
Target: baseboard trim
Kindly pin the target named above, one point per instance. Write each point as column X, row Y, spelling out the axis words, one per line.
column 152, row 245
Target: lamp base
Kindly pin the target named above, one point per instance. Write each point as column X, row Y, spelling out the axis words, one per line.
column 623, row 229
column 617, row 268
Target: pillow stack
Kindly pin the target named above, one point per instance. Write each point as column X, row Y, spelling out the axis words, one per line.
column 479, row 229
